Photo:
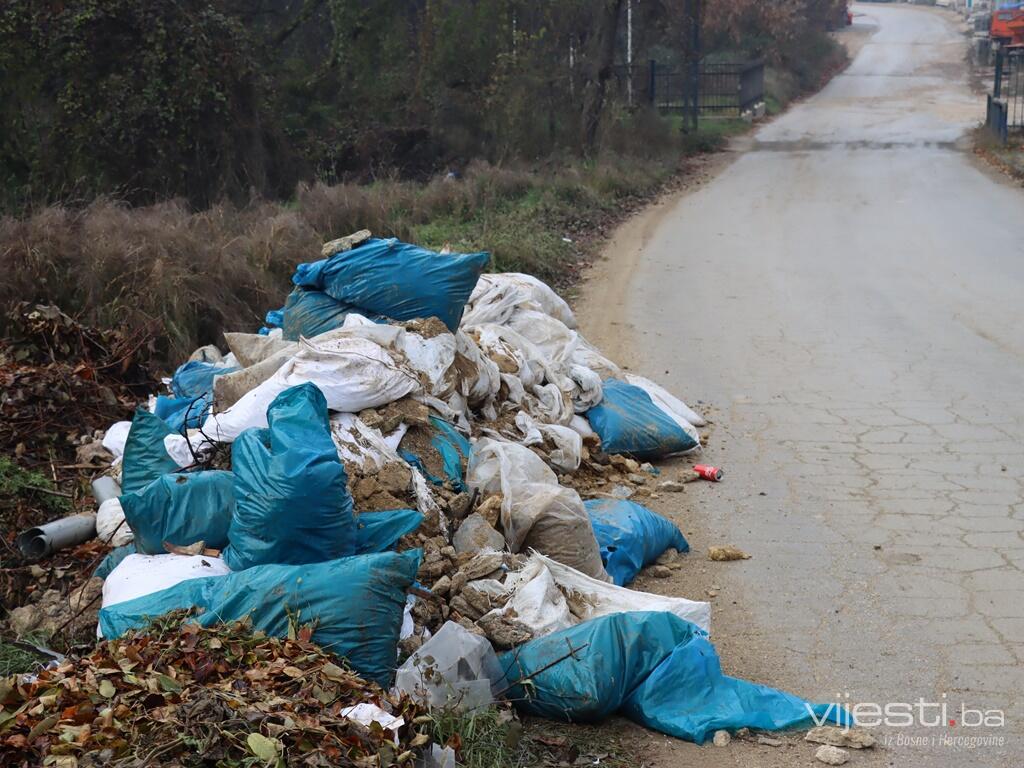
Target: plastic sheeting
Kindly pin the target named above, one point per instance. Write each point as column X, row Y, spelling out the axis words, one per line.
column 535, row 510
column 292, row 500
column 111, row 527
column 112, row 559
column 181, row 509
column 539, row 589
column 628, row 421
column 454, row 669
column 680, row 412
column 655, row 669
column 397, row 280
column 496, row 298
column 356, row 604
column 352, row 371
column 139, row 575
column 631, row 536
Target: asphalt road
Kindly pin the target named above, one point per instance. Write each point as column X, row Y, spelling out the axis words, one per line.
column 847, row 297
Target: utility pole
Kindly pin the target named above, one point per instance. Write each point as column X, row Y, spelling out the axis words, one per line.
column 691, row 45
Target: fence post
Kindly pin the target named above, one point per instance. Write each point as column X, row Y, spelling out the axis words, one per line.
column 652, row 65
column 999, row 73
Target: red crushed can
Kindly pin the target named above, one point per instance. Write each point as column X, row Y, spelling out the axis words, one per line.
column 714, row 474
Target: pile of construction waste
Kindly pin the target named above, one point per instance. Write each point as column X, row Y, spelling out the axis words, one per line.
column 412, row 450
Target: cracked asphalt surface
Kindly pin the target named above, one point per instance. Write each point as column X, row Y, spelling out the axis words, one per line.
column 846, row 296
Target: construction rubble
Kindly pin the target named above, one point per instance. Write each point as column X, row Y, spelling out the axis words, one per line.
column 435, row 473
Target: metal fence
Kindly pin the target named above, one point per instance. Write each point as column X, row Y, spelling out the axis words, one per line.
column 724, row 88
column 1005, row 111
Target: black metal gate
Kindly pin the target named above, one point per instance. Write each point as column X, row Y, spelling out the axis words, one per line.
column 1005, row 111
column 725, row 88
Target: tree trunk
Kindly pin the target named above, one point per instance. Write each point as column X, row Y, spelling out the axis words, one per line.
column 597, row 69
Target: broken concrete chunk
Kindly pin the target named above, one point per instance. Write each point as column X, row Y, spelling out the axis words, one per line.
column 841, row 737
column 465, row 608
column 441, row 586
column 476, row 535
column 671, row 486
column 346, row 243
column 767, row 741
column 722, row 738
column 504, row 632
column 669, row 557
column 481, row 565
column 659, row 571
column 727, row 553
column 459, row 505
column 490, row 509
column 831, row 755
column 395, row 478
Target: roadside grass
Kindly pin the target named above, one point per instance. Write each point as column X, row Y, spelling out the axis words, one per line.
column 199, row 273
column 23, row 491
column 1008, row 158
column 494, row 738
column 15, row 660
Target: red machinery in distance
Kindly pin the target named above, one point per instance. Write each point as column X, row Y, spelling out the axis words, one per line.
column 1007, row 25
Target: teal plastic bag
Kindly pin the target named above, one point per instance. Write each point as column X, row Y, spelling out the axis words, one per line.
column 309, row 313
column 655, row 669
column 291, row 497
column 631, row 536
column 454, row 450
column 397, row 280
column 628, row 421
column 356, row 604
column 380, row 531
column 181, row 509
column 145, row 457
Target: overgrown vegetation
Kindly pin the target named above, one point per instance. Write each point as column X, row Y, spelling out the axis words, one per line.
column 21, row 488
column 199, row 273
column 161, row 134
column 237, row 100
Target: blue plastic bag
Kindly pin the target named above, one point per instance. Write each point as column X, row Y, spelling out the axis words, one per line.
column 356, row 604
column 628, row 421
column 309, row 313
column 145, row 457
column 195, row 378
column 274, row 319
column 181, row 509
column 655, row 669
column 631, row 536
column 183, row 413
column 291, row 497
column 397, row 280
column 380, row 531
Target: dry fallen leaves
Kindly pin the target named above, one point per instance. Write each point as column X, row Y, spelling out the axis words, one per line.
column 185, row 695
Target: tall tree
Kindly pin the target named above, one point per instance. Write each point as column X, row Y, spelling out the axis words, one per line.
column 597, row 69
